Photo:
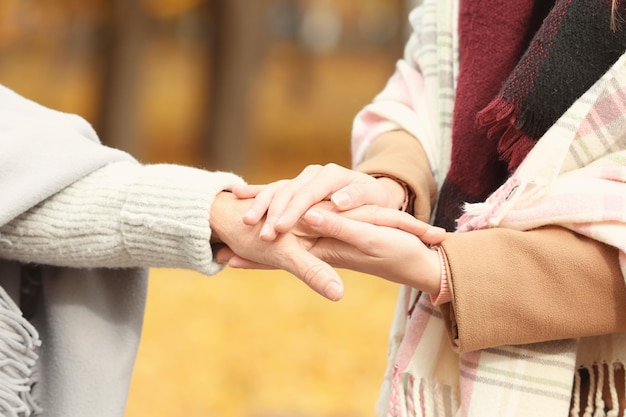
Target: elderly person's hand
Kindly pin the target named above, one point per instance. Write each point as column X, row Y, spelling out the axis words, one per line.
column 288, row 251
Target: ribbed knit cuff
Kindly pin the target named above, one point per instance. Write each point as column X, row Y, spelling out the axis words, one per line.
column 165, row 218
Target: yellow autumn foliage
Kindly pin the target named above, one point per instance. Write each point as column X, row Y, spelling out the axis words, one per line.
column 260, row 344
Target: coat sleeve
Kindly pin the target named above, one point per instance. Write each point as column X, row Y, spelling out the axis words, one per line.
column 517, row 287
column 511, row 287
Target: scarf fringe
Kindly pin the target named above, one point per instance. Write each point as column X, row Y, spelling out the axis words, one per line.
column 598, row 376
column 502, row 118
column 424, row 398
column 19, row 342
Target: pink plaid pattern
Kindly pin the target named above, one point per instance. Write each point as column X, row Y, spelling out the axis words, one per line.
column 574, row 177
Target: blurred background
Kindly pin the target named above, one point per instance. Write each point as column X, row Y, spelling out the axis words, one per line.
column 258, row 87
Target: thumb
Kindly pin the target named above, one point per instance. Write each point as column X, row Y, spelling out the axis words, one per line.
column 433, row 236
column 354, row 195
column 317, row 274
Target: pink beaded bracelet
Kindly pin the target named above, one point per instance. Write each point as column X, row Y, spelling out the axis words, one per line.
column 444, row 295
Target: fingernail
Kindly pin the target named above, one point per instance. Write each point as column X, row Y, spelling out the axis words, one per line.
column 333, row 291
column 341, row 199
column 314, row 217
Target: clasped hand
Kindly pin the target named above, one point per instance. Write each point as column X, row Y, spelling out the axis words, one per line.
column 335, row 217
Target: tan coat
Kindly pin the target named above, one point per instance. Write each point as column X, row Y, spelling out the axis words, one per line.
column 512, row 287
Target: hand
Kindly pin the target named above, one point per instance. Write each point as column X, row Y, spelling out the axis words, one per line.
column 384, row 242
column 288, row 251
column 378, row 241
column 284, row 202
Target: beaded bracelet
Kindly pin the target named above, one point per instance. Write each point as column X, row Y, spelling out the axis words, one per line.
column 444, row 295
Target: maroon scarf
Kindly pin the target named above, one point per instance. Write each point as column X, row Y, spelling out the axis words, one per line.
column 522, row 64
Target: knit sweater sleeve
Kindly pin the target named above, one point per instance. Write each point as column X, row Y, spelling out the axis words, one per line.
column 511, row 287
column 122, row 215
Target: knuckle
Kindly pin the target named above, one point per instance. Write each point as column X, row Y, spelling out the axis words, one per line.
column 335, row 227
column 371, row 243
column 335, row 258
column 311, row 169
column 268, row 191
column 332, row 168
column 273, row 185
column 313, row 274
column 372, row 211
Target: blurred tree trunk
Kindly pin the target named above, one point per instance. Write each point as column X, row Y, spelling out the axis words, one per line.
column 127, row 35
column 239, row 41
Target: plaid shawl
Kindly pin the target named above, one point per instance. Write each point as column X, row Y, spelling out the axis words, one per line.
column 575, row 177
column 544, row 58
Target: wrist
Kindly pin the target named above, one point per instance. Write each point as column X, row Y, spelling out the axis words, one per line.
column 217, row 218
column 226, row 217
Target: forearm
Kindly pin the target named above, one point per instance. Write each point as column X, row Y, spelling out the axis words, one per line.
column 511, row 287
column 123, row 215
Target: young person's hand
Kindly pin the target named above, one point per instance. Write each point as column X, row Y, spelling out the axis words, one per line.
column 279, row 205
column 383, row 242
column 288, row 251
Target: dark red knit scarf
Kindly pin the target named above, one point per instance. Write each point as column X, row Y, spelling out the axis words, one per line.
column 522, row 64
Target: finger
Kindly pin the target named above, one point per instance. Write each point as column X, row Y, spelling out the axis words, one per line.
column 381, row 216
column 406, row 222
column 261, row 202
column 286, row 197
column 315, row 273
column 247, row 191
column 338, row 254
column 355, row 195
column 243, row 263
column 327, row 180
column 328, row 224
column 434, row 235
column 223, row 255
